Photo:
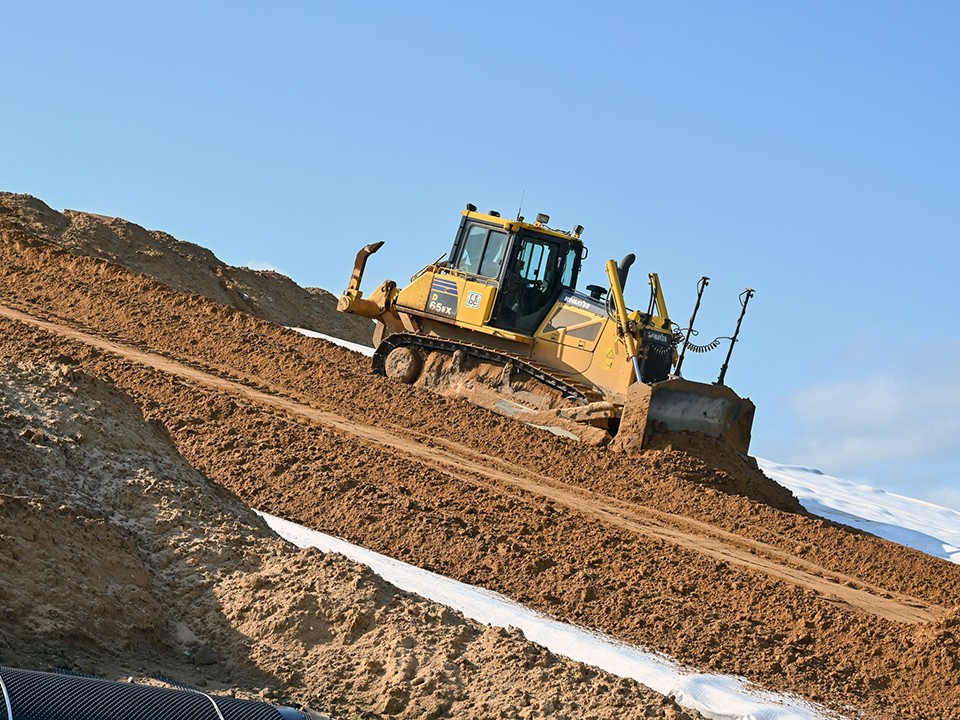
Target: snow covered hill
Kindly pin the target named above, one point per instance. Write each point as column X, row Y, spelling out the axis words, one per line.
column 929, row 528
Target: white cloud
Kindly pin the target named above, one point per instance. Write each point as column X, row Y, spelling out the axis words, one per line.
column 891, row 422
column 882, row 417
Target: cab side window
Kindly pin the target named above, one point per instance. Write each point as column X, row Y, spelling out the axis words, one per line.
column 571, row 268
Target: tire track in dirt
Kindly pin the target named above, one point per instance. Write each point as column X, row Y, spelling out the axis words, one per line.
column 684, row 531
column 481, row 469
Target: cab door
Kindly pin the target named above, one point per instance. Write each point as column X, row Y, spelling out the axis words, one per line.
column 530, row 285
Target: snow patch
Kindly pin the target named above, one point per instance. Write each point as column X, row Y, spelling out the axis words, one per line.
column 921, row 525
column 356, row 347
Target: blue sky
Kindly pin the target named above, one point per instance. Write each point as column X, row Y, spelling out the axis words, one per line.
column 808, row 150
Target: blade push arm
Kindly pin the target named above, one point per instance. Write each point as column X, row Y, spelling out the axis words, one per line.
column 661, row 304
column 621, row 309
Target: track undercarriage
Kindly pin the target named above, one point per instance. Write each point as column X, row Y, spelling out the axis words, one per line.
column 505, row 383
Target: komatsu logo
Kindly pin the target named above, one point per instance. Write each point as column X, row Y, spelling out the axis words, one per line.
column 568, row 297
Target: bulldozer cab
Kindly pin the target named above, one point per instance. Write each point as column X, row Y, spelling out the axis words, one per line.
column 531, row 265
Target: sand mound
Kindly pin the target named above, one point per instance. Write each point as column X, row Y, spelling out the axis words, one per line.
column 110, row 593
column 183, row 266
column 123, row 546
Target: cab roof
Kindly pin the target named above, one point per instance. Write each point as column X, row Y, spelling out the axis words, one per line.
column 514, row 226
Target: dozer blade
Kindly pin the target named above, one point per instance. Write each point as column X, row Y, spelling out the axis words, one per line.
column 679, row 405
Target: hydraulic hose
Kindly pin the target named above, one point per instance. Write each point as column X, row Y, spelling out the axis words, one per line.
column 31, row 695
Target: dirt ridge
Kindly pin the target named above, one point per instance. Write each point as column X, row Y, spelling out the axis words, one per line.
column 183, row 266
column 130, row 559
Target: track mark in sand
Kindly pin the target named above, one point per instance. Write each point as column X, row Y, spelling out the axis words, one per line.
column 469, row 465
column 715, row 541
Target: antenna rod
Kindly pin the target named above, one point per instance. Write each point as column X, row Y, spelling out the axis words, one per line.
column 520, row 209
column 704, row 281
column 743, row 302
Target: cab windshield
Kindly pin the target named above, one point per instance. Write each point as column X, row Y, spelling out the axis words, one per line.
column 545, row 260
column 540, row 268
column 483, row 251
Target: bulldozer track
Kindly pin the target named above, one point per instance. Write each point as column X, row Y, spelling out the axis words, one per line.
column 472, row 466
column 539, row 372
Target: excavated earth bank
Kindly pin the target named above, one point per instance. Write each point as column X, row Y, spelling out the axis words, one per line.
column 686, row 549
column 131, row 560
column 183, row 266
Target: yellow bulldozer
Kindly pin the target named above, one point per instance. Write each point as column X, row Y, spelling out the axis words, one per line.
column 501, row 321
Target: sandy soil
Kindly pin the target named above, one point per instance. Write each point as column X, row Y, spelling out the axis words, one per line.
column 183, row 266
column 687, row 549
column 130, row 559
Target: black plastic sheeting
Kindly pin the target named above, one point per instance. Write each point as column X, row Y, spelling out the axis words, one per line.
column 31, row 695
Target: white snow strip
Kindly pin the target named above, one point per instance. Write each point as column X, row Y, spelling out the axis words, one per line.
column 921, row 525
column 356, row 347
column 721, row 697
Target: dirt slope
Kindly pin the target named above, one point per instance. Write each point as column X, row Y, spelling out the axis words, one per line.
column 182, row 266
column 686, row 549
column 131, row 559
column 463, row 463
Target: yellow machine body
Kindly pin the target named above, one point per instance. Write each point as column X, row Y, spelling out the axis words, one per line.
column 507, row 293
